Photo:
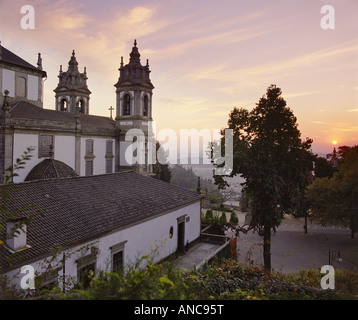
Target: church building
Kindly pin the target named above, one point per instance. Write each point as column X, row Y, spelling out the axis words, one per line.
column 79, row 143
column 78, row 192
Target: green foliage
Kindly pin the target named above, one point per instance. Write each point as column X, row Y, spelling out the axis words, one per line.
column 161, row 167
column 227, row 280
column 270, row 156
column 223, row 219
column 216, row 222
column 335, row 200
column 233, row 218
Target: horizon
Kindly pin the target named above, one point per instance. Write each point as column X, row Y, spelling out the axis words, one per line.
column 206, row 58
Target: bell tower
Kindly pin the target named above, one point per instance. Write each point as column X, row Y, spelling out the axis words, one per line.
column 134, row 91
column 72, row 91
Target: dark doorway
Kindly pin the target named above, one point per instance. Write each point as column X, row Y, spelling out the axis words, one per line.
column 181, row 236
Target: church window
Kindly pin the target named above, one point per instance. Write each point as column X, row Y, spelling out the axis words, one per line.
column 89, row 168
column 89, row 147
column 145, row 106
column 81, row 106
column 109, row 147
column 63, row 106
column 46, row 146
column 109, row 156
column 21, row 87
column 127, row 105
column 89, row 157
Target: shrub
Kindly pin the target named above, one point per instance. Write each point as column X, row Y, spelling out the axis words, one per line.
column 233, row 218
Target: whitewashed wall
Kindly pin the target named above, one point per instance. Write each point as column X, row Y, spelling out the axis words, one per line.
column 64, row 151
column 21, row 143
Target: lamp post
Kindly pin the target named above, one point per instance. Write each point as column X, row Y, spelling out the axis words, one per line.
column 334, row 255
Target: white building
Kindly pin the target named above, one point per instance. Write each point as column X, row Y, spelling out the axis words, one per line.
column 89, row 144
column 104, row 222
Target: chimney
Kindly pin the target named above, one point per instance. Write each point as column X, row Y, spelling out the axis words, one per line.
column 16, row 233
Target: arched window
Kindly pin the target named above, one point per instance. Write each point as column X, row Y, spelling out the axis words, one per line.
column 145, row 106
column 63, row 106
column 81, row 107
column 126, row 105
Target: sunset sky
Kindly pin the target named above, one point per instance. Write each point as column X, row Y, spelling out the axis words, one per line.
column 206, row 57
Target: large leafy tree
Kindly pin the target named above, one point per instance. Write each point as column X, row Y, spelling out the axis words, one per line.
column 335, row 200
column 161, row 167
column 270, row 155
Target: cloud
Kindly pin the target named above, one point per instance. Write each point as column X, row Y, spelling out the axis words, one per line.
column 353, row 110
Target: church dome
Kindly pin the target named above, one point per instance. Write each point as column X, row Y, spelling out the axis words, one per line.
column 50, row 169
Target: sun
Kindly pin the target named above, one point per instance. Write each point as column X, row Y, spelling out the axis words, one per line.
column 335, row 142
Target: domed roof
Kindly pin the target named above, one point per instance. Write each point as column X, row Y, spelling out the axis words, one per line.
column 50, row 169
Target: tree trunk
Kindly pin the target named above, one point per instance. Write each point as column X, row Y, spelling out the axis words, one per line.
column 305, row 224
column 267, row 248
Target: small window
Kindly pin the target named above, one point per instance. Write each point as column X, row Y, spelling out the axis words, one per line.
column 117, row 252
column 46, row 146
column 21, row 87
column 145, row 106
column 89, row 147
column 109, row 165
column 109, row 156
column 126, row 105
column 86, row 274
column 63, row 106
column 117, row 265
column 89, row 168
column 86, row 268
column 81, row 107
column 109, row 147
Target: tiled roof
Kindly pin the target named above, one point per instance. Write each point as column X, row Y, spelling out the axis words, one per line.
column 80, row 209
column 50, row 169
column 23, row 109
column 10, row 57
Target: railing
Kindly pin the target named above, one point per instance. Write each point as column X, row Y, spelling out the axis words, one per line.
column 213, row 238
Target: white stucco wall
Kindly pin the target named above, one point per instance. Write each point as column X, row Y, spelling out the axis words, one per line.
column 64, row 151
column 99, row 152
column 21, row 143
column 140, row 240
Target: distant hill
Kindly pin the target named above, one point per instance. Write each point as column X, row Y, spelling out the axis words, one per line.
column 187, row 178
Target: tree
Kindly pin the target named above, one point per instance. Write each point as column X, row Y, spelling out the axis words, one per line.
column 270, row 155
column 161, row 167
column 323, row 168
column 335, row 200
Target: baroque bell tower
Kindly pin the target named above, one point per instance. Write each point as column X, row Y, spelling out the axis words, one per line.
column 134, row 91
column 72, row 92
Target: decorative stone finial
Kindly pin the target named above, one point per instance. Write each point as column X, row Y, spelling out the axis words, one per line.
column 6, row 105
column 39, row 61
column 135, row 42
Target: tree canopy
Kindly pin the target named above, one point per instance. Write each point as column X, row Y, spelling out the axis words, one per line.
column 335, row 200
column 270, row 155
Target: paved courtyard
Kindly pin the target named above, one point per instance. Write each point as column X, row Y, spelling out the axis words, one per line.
column 292, row 249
